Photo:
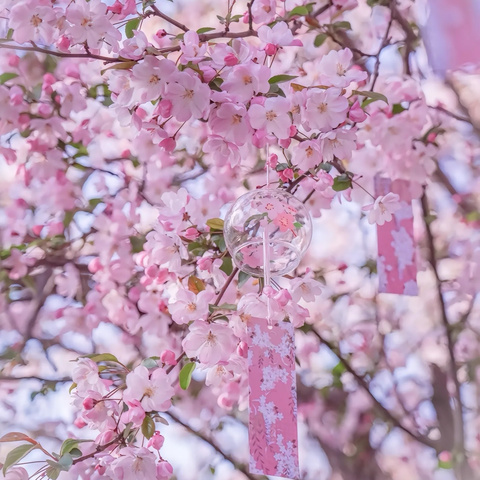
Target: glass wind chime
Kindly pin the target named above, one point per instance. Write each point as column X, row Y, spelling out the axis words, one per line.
column 267, row 232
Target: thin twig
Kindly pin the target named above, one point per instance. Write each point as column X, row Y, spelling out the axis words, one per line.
column 460, row 438
column 61, row 54
column 213, row 444
column 160, row 14
column 363, row 383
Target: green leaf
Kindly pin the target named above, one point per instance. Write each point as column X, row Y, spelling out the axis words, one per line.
column 320, row 39
column 373, row 96
column 16, row 437
column 131, row 26
column 281, row 78
column 93, row 202
column 66, row 461
column 297, row 225
column 325, row 166
column 342, row 25
column 204, row 30
column 15, row 455
column 215, row 224
column 301, row 10
column 185, row 375
column 137, row 243
column 76, row 452
column 67, row 219
column 102, row 357
column 342, row 182
column 70, row 444
column 52, row 472
column 148, row 427
column 397, row 108
column 5, row 77
column 242, row 279
column 227, row 265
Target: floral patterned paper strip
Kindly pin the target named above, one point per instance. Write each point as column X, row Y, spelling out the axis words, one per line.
column 396, row 264
column 451, row 34
column 273, row 399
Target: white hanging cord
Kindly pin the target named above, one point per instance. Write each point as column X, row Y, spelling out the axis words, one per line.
column 266, row 246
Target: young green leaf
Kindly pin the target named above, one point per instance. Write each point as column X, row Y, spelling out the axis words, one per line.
column 281, row 79
column 148, row 427
column 320, row 39
column 131, row 26
column 373, row 96
column 15, row 455
column 185, row 376
column 215, row 224
column 5, row 77
column 342, row 182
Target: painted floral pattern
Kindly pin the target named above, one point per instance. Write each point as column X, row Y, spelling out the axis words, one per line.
column 273, row 399
column 396, row 265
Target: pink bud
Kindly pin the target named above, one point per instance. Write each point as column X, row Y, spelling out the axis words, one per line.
column 356, row 113
column 88, row 403
column 24, row 119
column 246, row 17
column 168, row 144
column 192, row 233
column 115, row 8
column 445, row 456
column 168, row 357
column 161, row 33
column 13, row 60
column 63, row 43
column 230, row 60
column 156, row 441
column 242, row 349
column 37, row 230
column 271, row 49
column 125, row 153
column 273, row 160
column 431, row 137
column 286, row 175
column 100, row 469
column 164, row 470
column 94, row 265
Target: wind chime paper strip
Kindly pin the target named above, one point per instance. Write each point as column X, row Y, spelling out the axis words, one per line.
column 396, row 264
column 452, row 35
column 273, row 399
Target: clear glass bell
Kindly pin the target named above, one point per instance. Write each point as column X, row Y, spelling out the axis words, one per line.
column 271, row 225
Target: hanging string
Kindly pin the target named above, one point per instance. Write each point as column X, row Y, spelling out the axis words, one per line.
column 266, row 245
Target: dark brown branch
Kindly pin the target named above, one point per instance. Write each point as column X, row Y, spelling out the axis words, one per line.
column 225, row 286
column 158, row 13
column 61, row 54
column 9, row 378
column 363, row 383
column 460, row 435
column 214, row 445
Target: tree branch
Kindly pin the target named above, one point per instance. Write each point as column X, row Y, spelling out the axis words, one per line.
column 460, row 437
column 213, row 444
column 363, row 383
column 61, row 54
column 158, row 13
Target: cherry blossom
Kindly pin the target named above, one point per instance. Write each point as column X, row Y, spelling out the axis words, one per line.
column 382, row 209
column 335, row 69
column 152, row 390
column 325, row 109
column 273, row 117
column 209, row 342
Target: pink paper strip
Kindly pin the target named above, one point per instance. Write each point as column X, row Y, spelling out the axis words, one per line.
column 273, row 399
column 452, row 35
column 396, row 264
